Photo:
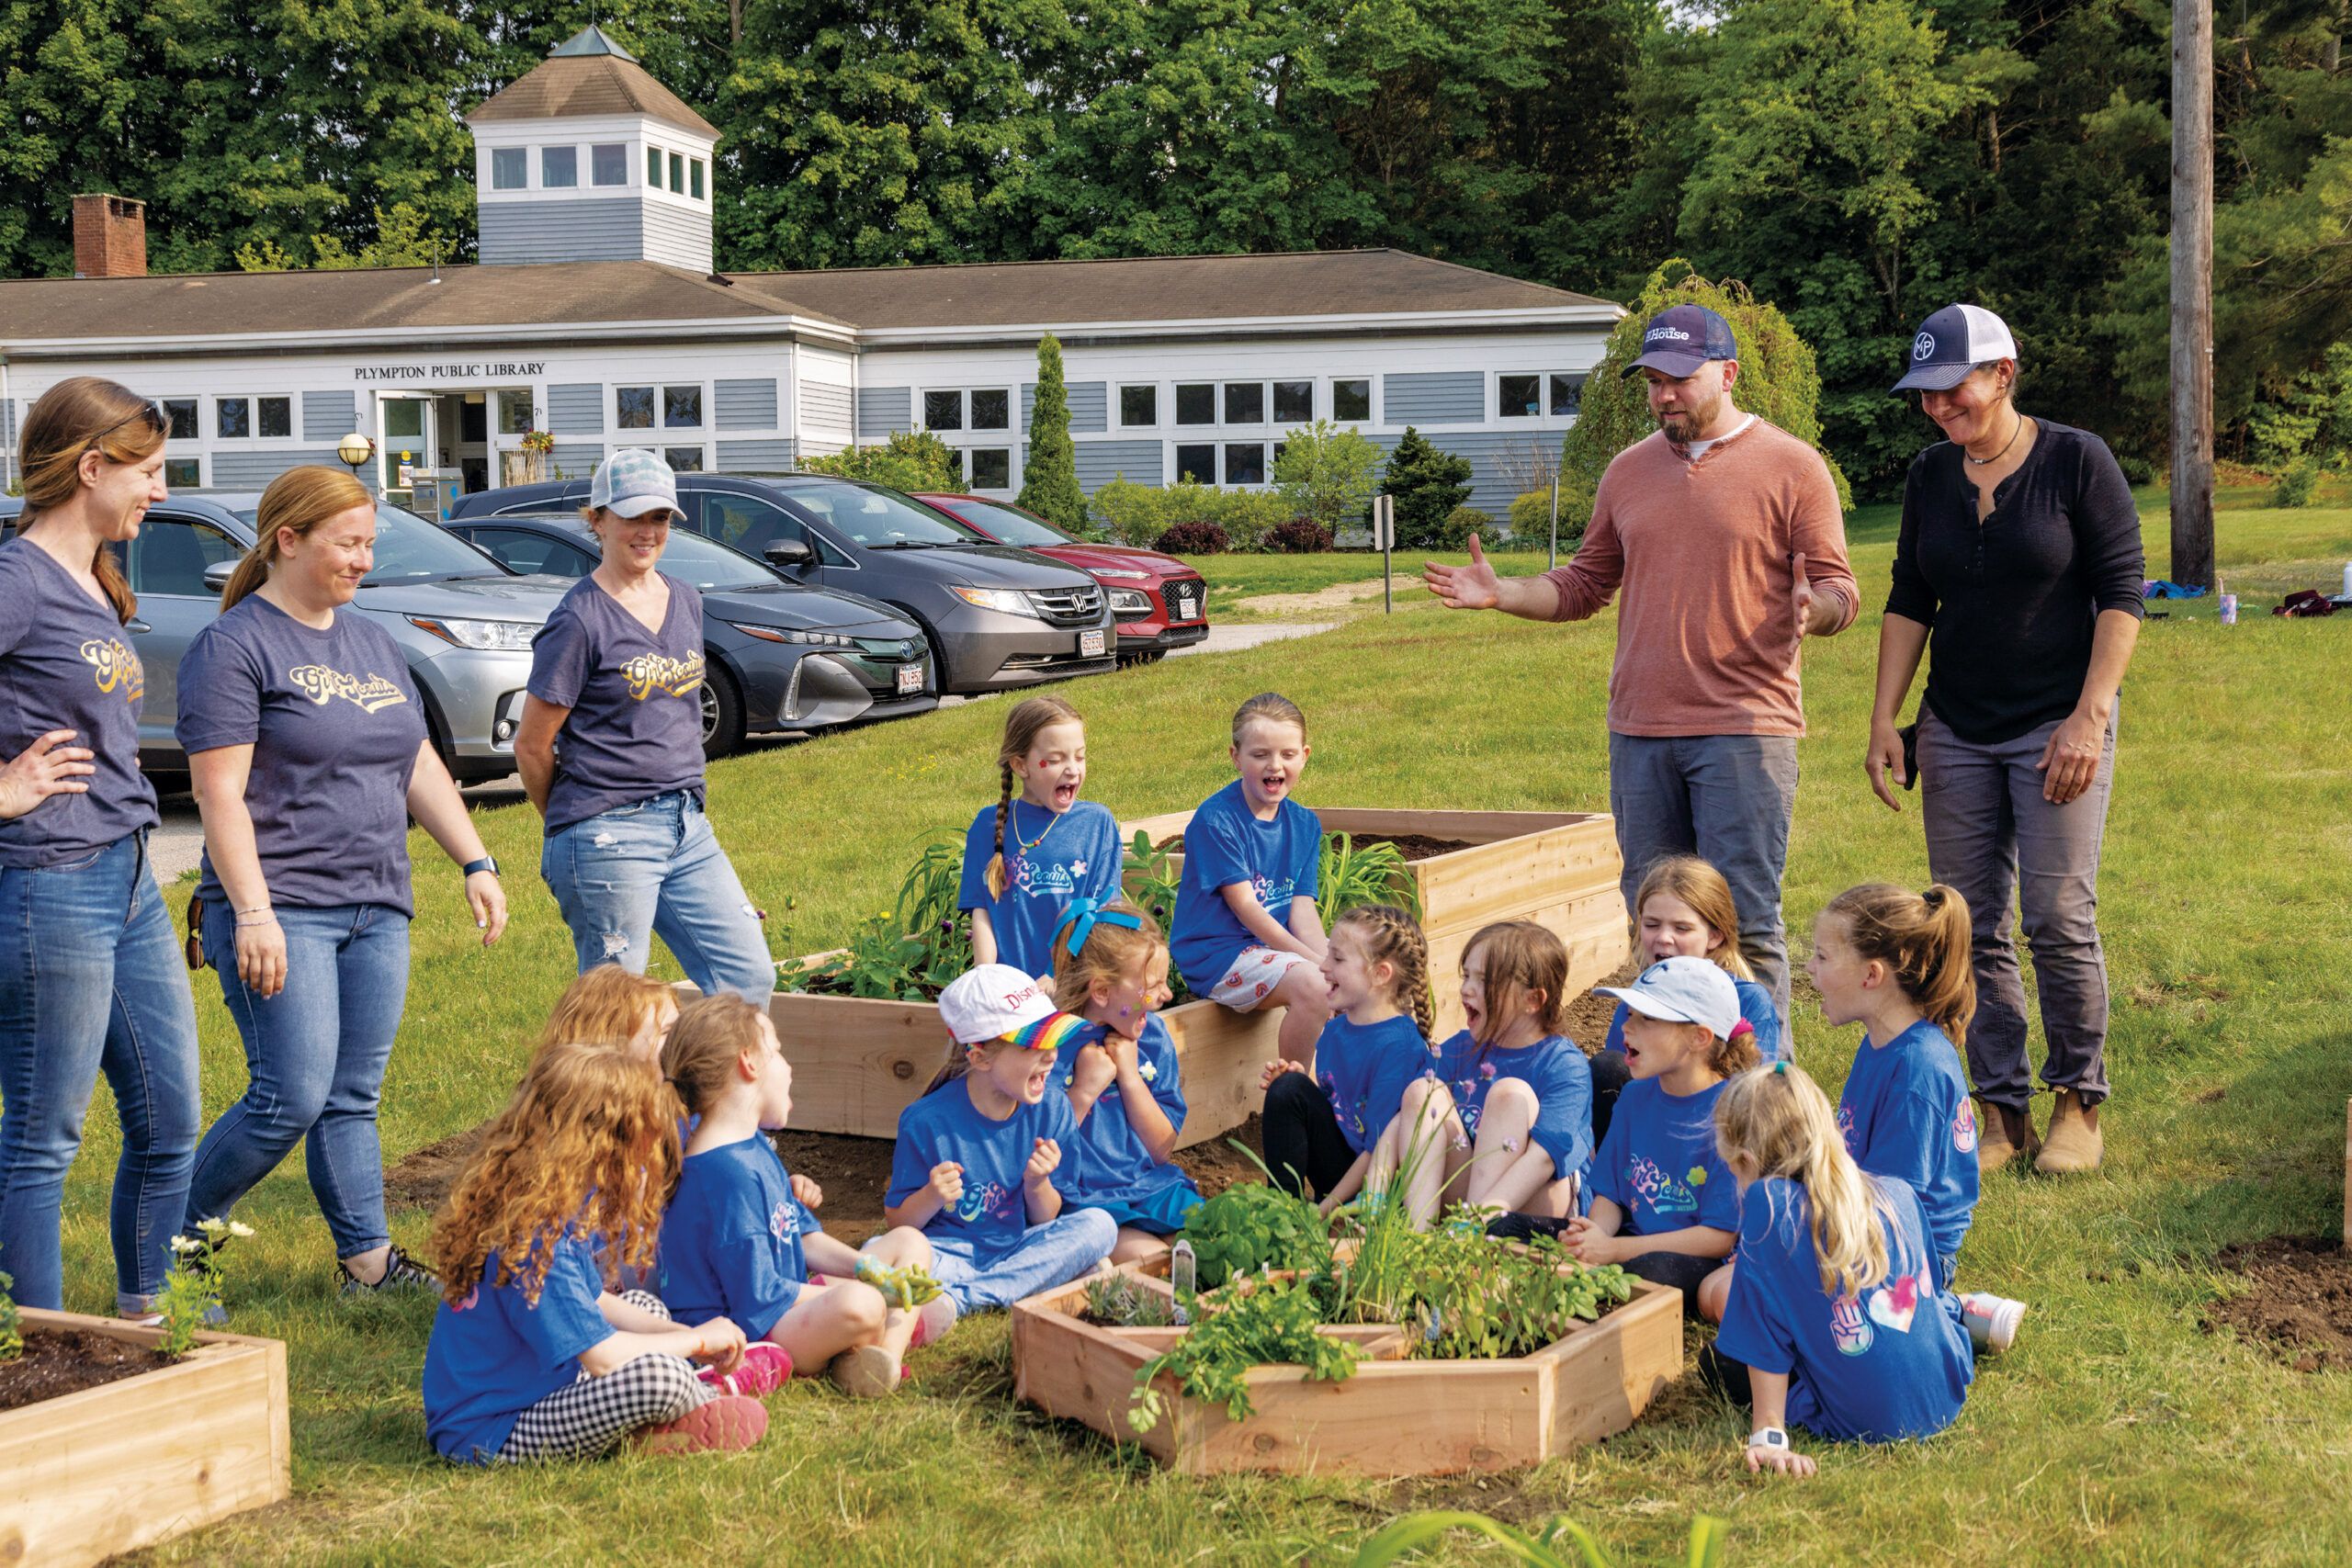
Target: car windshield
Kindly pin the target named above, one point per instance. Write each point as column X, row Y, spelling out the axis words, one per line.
column 410, row 549
column 1009, row 526
column 708, row 565
column 879, row 519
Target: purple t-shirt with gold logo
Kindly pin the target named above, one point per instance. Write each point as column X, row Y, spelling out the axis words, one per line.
column 334, row 722
column 635, row 695
column 66, row 663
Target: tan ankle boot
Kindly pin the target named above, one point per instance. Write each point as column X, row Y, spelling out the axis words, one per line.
column 2073, row 1143
column 2002, row 1135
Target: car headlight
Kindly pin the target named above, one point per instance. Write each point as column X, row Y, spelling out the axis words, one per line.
column 1107, row 572
column 795, row 635
column 1010, row 601
column 500, row 636
column 1128, row 602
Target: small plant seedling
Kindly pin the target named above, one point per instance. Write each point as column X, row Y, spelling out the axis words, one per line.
column 12, row 1323
column 1114, row 1298
column 192, row 1293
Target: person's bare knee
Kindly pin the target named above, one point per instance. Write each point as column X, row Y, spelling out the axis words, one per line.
column 861, row 1310
column 1714, row 1292
column 1135, row 1245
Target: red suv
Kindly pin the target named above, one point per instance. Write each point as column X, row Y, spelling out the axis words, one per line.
column 1159, row 602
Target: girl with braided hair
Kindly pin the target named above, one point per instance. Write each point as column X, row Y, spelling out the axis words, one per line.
column 1027, row 857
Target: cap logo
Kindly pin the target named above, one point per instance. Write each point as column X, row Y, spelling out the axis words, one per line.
column 1676, row 334
column 1923, row 345
column 1656, row 971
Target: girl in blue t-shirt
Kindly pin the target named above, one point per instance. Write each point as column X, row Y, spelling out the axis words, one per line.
column 1521, row 1088
column 1027, row 857
column 1125, row 1087
column 1246, row 932
column 980, row 1166
column 536, row 1353
column 1835, row 1321
column 739, row 1239
column 1368, row 1115
column 1897, row 963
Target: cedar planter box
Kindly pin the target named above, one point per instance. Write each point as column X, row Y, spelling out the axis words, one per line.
column 1556, row 868
column 139, row 1460
column 1393, row 1418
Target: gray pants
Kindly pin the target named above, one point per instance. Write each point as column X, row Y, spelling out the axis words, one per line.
column 1728, row 799
column 1992, row 836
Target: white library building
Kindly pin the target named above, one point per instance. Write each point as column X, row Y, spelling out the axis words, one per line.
column 592, row 313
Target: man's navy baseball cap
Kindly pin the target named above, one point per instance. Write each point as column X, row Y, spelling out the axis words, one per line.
column 1953, row 342
column 1680, row 339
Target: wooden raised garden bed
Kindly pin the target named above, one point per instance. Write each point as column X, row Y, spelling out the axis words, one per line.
column 1392, row 1417
column 128, row 1463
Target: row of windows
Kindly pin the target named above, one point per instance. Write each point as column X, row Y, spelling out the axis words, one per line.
column 510, row 168
column 1522, row 396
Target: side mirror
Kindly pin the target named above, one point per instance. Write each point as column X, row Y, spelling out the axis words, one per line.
column 217, row 575
column 789, row 554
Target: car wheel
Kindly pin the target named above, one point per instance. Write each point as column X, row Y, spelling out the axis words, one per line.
column 722, row 713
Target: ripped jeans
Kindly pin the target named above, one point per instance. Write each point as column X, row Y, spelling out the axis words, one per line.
column 654, row 868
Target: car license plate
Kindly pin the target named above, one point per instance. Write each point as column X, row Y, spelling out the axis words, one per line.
column 910, row 678
column 1089, row 644
column 1185, row 607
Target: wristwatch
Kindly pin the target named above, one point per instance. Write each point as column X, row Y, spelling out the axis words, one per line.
column 486, row 863
column 1770, row 1437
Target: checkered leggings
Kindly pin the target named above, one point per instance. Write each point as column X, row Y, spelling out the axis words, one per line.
column 594, row 1413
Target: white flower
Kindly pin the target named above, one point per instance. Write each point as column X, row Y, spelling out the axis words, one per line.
column 1148, row 1072
column 238, row 1227
column 185, row 1244
column 214, row 1226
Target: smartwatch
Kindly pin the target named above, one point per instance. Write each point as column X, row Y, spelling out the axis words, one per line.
column 1770, row 1437
column 486, row 863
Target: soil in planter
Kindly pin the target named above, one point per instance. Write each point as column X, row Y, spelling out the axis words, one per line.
column 2300, row 1300
column 65, row 1361
column 1412, row 846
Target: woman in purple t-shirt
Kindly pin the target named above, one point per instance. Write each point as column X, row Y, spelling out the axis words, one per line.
column 611, row 754
column 90, row 974
column 307, row 741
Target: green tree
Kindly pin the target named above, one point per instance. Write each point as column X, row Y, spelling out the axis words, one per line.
column 1428, row 484
column 1049, row 478
column 1327, row 474
column 911, row 460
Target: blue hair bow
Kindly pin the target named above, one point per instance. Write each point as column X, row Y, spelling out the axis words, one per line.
column 1084, row 912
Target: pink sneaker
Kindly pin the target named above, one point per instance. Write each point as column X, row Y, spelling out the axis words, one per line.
column 723, row 1425
column 765, row 1366
column 933, row 1320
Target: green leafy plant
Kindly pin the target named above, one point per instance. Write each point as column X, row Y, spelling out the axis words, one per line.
column 1261, row 1322
column 1463, row 522
column 1326, row 474
column 1548, row 1548
column 192, row 1292
column 907, row 952
column 1113, row 1298
column 1149, row 876
column 1253, row 1226
column 911, row 460
column 1349, row 875
column 11, row 1323
column 1429, row 484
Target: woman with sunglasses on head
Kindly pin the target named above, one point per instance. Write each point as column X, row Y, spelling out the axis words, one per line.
column 611, row 754
column 91, row 978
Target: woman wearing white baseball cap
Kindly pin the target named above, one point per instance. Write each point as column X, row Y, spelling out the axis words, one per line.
column 2019, row 573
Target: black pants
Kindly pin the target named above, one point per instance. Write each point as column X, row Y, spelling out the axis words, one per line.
column 1677, row 1270
column 1610, row 1076
column 1305, row 1148
column 1723, row 1372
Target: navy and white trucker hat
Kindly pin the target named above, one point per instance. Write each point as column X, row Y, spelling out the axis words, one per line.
column 1680, row 338
column 1951, row 342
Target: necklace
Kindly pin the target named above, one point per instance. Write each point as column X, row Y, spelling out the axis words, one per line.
column 1028, row 844
column 2015, row 431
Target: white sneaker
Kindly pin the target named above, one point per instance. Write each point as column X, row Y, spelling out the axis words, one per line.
column 1992, row 1320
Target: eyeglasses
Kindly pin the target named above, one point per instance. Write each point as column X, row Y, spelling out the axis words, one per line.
column 157, row 420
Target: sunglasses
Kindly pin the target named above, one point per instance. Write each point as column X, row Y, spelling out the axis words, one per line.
column 158, row 422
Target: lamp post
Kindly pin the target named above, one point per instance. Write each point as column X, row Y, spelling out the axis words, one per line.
column 355, row 449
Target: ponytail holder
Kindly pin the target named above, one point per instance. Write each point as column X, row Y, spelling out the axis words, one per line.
column 1742, row 1027
column 1083, row 915
column 1782, row 1068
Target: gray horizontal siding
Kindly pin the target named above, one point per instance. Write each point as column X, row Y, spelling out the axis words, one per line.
column 1438, row 396
column 8, row 475
column 574, row 459
column 1494, row 455
column 576, row 408
column 329, row 416
column 1090, row 405
column 882, row 411
column 824, row 406
column 755, row 456
column 520, row 232
column 676, row 236
column 1100, row 462
column 745, row 405
column 234, row 470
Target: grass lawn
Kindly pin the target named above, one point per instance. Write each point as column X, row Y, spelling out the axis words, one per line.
column 2119, row 1431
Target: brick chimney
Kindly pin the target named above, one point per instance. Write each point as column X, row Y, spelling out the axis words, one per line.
column 110, row 237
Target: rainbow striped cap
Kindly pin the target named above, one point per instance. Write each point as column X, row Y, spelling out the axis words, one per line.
column 1048, row 1034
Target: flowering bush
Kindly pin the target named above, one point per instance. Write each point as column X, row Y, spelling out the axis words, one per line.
column 193, row 1292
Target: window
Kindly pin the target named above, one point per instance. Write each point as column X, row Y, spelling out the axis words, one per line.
column 232, row 418
column 514, row 413
column 1352, row 400
column 1197, row 463
column 1568, row 392
column 693, row 180
column 682, row 408
column 750, row 526
column 1293, row 402
column 678, row 173
column 1196, row 404
column 519, row 552
column 1245, row 402
column 276, row 415
column 633, row 408
column 1138, row 405
column 559, row 167
column 991, row 467
column 992, row 409
column 510, row 168
column 1245, row 463
column 403, row 419
column 942, row 410
column 682, row 460
column 653, row 167
column 169, row 557
column 608, row 163
column 1518, row 397
column 183, row 473
column 473, row 422
column 181, row 411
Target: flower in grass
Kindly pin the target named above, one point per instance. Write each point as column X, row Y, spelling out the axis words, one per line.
column 185, row 1245
column 238, row 1228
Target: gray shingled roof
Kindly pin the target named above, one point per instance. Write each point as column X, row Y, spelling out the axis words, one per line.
column 564, row 85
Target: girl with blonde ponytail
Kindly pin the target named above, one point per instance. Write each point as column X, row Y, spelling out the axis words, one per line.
column 1040, row 847
column 1835, row 1320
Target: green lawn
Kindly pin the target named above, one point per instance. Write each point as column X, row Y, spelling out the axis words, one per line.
column 2116, row 1432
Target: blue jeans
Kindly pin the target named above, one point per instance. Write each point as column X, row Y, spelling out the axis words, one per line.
column 92, row 981
column 314, row 1065
column 1728, row 799
column 655, row 869
column 1052, row 1254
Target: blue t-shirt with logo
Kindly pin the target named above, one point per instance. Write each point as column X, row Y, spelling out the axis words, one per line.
column 1660, row 1163
column 1224, row 844
column 1111, row 1160
column 495, row 1355
column 1073, row 855
column 1553, row 1068
column 730, row 1238
column 1891, row 1363
column 66, row 663
column 335, row 723
column 1364, row 1070
column 1754, row 1005
column 993, row 1215
column 634, row 729
column 1904, row 1113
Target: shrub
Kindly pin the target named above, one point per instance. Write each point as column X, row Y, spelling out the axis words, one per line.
column 1455, row 533
column 1140, row 514
column 1246, row 515
column 1049, row 479
column 909, row 460
column 1194, row 538
column 1128, row 513
column 1428, row 485
column 1299, row 536
column 2297, row 484
column 1326, row 475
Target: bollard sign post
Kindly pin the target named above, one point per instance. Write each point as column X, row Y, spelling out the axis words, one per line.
column 1384, row 536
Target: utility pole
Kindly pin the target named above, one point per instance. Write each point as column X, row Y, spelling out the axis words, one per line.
column 2192, row 292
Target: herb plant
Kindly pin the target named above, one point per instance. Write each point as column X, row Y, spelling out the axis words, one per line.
column 1261, row 1322
column 908, row 952
column 1254, row 1225
column 1151, row 875
column 12, row 1325
column 1114, row 1298
column 1348, row 876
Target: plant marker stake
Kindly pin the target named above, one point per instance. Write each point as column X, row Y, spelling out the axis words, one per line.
column 1383, row 534
column 1181, row 1275
column 1554, row 559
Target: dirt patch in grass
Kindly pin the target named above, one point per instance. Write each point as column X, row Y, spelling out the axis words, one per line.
column 65, row 1361
column 2300, row 1300
column 424, row 1177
